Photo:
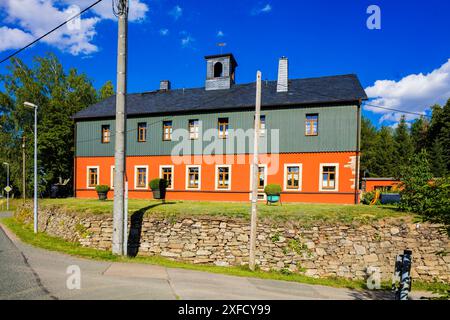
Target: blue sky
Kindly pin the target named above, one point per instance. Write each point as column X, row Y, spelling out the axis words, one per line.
column 168, row 39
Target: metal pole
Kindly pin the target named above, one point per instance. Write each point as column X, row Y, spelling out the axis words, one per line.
column 35, row 173
column 255, row 174
column 7, row 183
column 118, row 215
column 24, row 196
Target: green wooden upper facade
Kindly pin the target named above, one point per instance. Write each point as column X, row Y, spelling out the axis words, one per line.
column 336, row 131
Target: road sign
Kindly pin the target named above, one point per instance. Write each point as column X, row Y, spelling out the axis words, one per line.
column 8, row 189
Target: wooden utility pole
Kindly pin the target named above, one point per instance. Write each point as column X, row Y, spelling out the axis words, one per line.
column 121, row 11
column 255, row 173
column 24, row 196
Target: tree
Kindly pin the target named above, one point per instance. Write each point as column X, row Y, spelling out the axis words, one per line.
column 437, row 160
column 384, row 158
column 59, row 95
column 403, row 145
column 368, row 147
column 106, row 91
column 419, row 134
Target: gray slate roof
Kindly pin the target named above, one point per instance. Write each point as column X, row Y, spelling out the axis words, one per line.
column 323, row 90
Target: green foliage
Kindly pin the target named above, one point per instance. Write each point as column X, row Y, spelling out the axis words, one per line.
column 59, row 94
column 106, row 91
column 158, row 184
column 272, row 189
column 404, row 148
column 414, row 183
column 427, row 197
column 275, row 237
column 367, row 197
column 102, row 188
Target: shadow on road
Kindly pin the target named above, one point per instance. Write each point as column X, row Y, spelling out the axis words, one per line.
column 372, row 295
column 134, row 236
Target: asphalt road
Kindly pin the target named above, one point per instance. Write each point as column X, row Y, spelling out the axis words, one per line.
column 32, row 273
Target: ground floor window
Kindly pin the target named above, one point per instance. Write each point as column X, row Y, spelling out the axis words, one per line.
column 193, row 174
column 292, row 177
column 223, row 177
column 328, row 177
column 166, row 172
column 262, row 176
column 92, row 177
column 140, row 181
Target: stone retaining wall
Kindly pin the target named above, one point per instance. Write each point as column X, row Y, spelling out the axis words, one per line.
column 318, row 250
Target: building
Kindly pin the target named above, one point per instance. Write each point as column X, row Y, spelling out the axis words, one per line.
column 382, row 184
column 201, row 139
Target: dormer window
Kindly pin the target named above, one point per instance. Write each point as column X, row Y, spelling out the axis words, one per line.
column 218, row 70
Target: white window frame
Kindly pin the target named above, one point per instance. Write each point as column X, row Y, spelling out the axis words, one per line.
column 111, row 180
column 217, row 177
column 199, row 177
column 300, row 176
column 87, row 176
column 336, row 182
column 136, row 177
column 161, row 167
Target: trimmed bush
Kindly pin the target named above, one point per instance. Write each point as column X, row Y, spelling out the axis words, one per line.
column 102, row 188
column 158, row 184
column 272, row 189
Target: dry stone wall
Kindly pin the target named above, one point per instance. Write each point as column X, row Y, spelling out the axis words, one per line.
column 317, row 250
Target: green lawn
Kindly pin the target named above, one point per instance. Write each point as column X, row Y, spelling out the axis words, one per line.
column 289, row 211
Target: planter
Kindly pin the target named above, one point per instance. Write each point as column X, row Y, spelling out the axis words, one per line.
column 159, row 194
column 102, row 195
column 273, row 198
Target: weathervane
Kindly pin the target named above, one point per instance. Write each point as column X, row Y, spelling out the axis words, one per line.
column 221, row 45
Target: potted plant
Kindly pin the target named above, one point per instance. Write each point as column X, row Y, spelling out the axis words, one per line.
column 102, row 191
column 159, row 187
column 273, row 193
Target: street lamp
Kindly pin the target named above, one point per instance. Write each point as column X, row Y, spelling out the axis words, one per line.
column 7, row 185
column 31, row 105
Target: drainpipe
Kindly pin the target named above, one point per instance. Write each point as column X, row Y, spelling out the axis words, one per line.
column 357, row 153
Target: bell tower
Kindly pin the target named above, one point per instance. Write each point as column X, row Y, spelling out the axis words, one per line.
column 220, row 71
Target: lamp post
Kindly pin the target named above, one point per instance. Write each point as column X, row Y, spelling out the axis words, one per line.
column 31, row 105
column 7, row 185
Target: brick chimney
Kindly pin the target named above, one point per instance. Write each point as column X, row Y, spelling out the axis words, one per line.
column 282, row 83
column 164, row 85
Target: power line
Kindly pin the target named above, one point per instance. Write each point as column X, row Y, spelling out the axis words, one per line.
column 365, row 103
column 51, row 31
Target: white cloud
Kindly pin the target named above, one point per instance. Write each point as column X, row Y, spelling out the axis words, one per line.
column 164, row 32
column 137, row 11
column 220, row 34
column 13, row 38
column 30, row 19
column 176, row 12
column 413, row 93
column 187, row 41
column 261, row 9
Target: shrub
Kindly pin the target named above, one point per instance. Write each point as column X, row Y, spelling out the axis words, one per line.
column 102, row 188
column 272, row 189
column 367, row 197
column 158, row 184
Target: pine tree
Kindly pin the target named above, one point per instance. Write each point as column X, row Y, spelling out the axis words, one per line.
column 368, row 147
column 403, row 145
column 384, row 157
column 437, row 160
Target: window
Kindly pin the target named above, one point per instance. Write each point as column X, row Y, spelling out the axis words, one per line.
column 193, row 129
column 262, row 127
column 292, row 177
column 223, row 128
column 106, row 134
column 262, row 124
column 329, row 177
column 193, row 177
column 140, row 178
column 92, row 177
column 142, row 132
column 218, row 70
column 167, row 130
column 311, row 124
column 166, row 172
column 223, row 177
column 262, row 176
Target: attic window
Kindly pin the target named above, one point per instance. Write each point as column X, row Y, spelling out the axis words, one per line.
column 218, row 70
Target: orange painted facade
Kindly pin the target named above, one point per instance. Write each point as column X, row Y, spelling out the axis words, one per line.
column 372, row 184
column 240, row 166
